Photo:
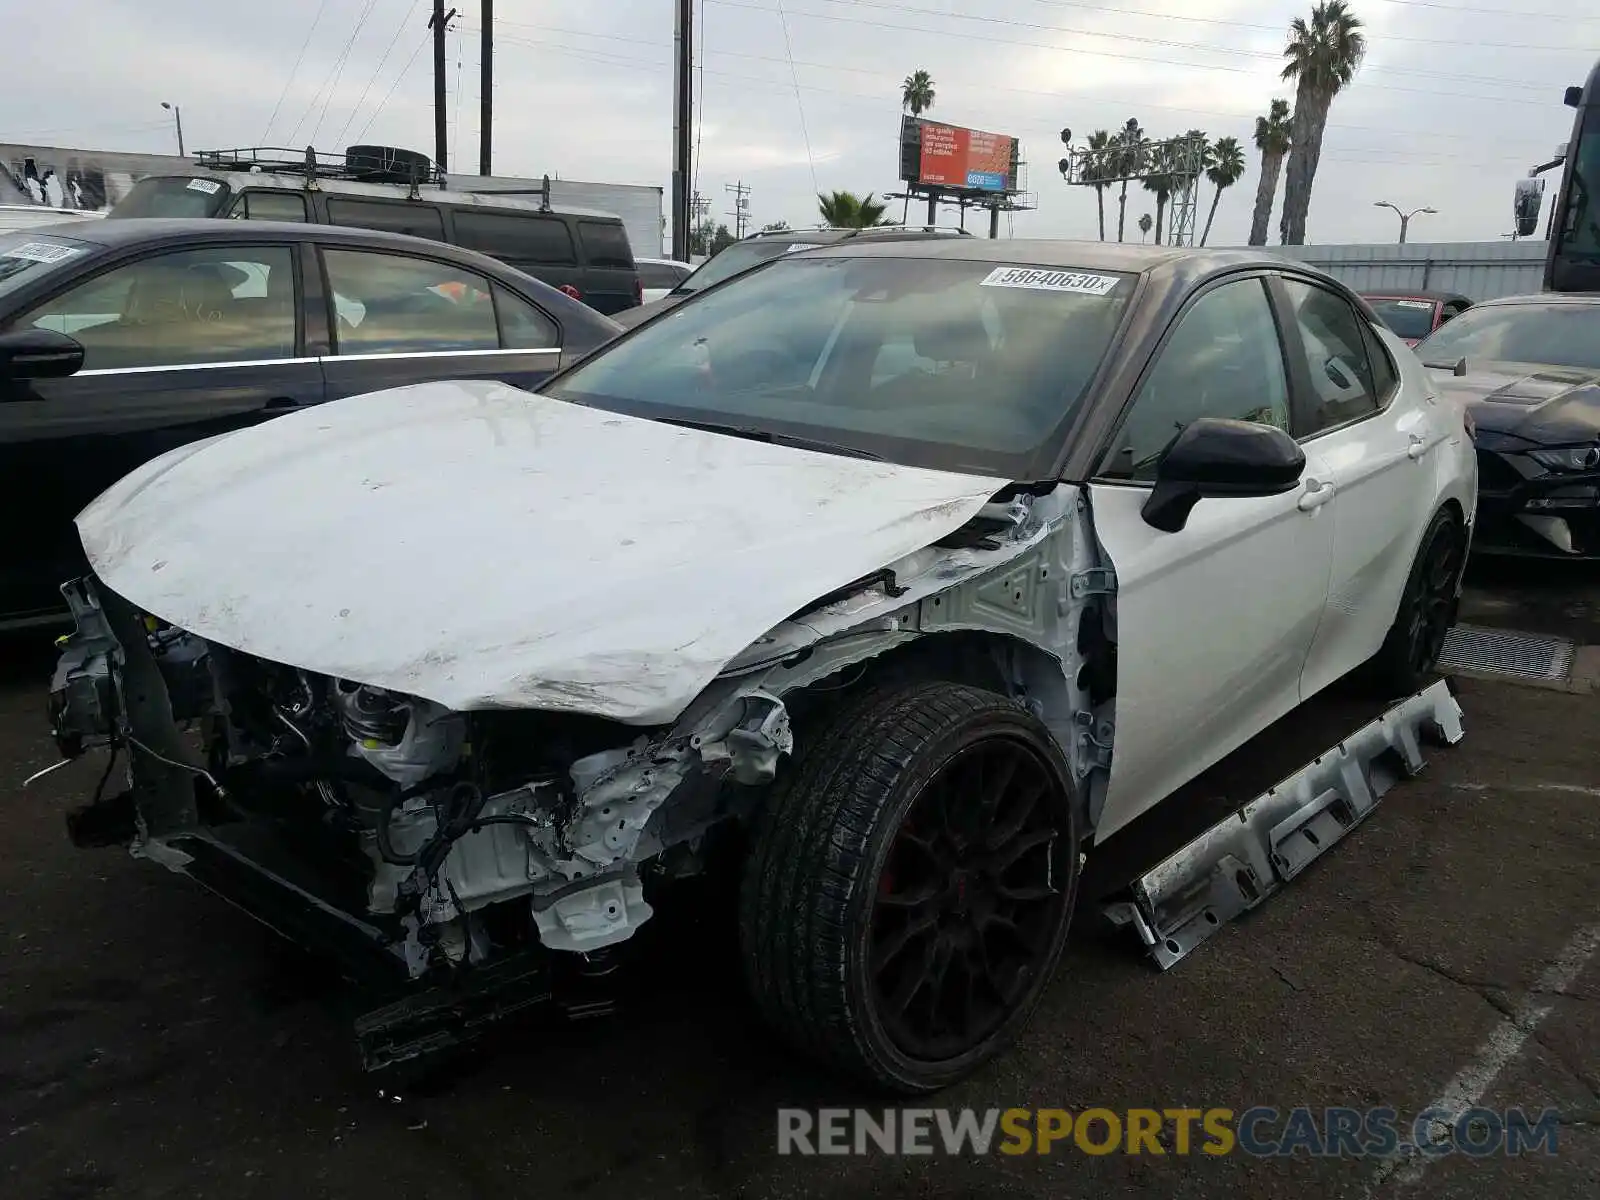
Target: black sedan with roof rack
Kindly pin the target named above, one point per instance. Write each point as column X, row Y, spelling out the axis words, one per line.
column 584, row 252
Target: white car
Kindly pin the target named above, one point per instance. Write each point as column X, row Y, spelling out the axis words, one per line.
column 658, row 276
column 905, row 573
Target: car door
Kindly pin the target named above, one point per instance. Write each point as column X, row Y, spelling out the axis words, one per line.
column 1214, row 621
column 397, row 319
column 179, row 345
column 1379, row 442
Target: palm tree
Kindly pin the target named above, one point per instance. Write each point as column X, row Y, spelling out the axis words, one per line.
column 1144, row 226
column 1323, row 57
column 1096, row 168
column 843, row 210
column 1162, row 182
column 916, row 93
column 1272, row 139
column 1224, row 168
column 1134, row 149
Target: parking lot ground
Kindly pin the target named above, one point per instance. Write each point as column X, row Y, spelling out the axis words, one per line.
column 155, row 1043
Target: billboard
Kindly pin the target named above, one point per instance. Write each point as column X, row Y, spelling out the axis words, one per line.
column 952, row 156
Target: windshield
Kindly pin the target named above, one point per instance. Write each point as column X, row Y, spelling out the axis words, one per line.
column 1579, row 227
column 951, row 364
column 741, row 256
column 28, row 254
column 1408, row 318
column 1551, row 334
column 172, row 196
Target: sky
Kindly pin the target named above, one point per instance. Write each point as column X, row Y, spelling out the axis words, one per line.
column 1456, row 98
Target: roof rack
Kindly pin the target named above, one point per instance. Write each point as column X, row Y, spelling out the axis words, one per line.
column 365, row 164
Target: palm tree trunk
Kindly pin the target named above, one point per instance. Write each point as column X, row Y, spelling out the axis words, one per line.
column 1161, row 211
column 1266, row 192
column 1100, row 203
column 1310, row 114
column 1122, row 208
column 1212, row 215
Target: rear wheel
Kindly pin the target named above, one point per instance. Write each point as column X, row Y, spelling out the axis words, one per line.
column 910, row 889
column 1410, row 654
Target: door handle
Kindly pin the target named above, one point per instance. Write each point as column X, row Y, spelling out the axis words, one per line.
column 1317, row 494
column 1418, row 447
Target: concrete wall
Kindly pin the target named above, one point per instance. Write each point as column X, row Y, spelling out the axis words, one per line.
column 1480, row 270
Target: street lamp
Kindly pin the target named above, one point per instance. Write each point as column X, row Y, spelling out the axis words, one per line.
column 177, row 115
column 1405, row 217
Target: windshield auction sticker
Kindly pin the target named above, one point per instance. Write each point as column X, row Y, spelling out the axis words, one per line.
column 1413, row 303
column 209, row 186
column 40, row 252
column 1038, row 280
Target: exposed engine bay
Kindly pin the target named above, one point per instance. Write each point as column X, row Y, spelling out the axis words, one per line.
column 436, row 841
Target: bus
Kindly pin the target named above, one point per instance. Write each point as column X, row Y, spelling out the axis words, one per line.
column 1572, row 255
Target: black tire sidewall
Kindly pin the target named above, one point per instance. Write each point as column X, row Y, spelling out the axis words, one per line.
column 1005, row 720
column 1394, row 657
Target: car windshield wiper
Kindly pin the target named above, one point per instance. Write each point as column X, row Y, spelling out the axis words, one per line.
column 778, row 439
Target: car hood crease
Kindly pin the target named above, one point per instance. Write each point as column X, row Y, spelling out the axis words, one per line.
column 484, row 547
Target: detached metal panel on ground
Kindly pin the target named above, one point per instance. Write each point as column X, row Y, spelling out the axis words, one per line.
column 1479, row 270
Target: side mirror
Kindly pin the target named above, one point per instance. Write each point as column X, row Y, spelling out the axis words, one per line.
column 39, row 354
column 1525, row 206
column 1218, row 458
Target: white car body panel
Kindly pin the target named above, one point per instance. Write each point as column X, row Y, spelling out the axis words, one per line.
column 1214, row 623
column 1384, row 476
column 483, row 547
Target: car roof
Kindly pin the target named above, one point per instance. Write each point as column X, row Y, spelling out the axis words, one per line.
column 662, row 262
column 114, row 232
column 1064, row 255
column 1578, row 298
column 1412, row 294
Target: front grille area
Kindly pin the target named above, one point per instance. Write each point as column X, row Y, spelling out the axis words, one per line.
column 1495, row 474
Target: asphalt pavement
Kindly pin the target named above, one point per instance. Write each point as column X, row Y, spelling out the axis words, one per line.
column 155, row 1043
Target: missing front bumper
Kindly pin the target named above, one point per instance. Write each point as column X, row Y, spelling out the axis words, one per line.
column 1246, row 858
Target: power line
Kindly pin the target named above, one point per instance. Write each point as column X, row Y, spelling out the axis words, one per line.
column 1281, row 29
column 378, row 70
column 1143, row 58
column 1047, row 133
column 1107, row 101
column 393, row 87
column 800, row 104
column 338, row 73
column 298, row 58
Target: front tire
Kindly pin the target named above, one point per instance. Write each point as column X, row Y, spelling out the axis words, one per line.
column 1410, row 653
column 911, row 884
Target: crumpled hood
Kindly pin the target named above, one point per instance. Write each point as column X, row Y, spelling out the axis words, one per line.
column 484, row 547
column 1544, row 405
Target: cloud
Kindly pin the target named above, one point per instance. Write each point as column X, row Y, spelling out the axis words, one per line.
column 1451, row 106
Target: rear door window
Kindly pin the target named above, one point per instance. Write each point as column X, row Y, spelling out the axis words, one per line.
column 522, row 326
column 417, row 220
column 605, row 244
column 515, row 237
column 1335, row 356
column 397, row 304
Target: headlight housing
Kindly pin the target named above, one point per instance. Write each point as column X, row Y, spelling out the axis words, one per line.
column 1569, row 458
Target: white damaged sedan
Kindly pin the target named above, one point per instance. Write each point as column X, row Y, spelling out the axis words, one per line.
column 904, row 573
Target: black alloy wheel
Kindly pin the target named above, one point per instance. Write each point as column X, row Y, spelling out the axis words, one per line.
column 1410, row 653
column 911, row 883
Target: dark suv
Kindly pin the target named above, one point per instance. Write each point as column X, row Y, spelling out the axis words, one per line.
column 764, row 247
column 584, row 253
column 121, row 340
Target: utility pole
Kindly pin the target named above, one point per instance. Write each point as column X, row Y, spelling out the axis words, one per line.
column 682, row 131
column 439, row 22
column 486, row 86
column 741, row 206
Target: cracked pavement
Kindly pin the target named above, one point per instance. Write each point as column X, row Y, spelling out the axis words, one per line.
column 154, row 1043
